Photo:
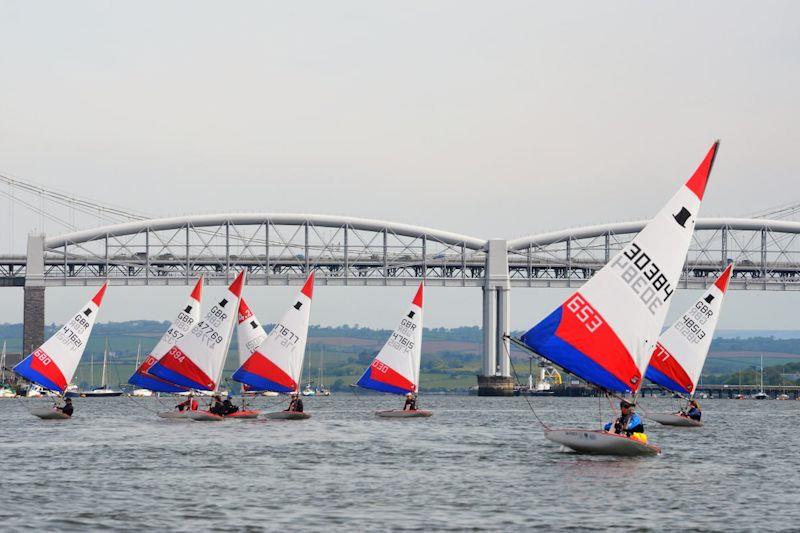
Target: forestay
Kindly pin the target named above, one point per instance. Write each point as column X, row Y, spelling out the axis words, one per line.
column 180, row 327
column 53, row 364
column 605, row 333
column 396, row 367
column 196, row 360
column 278, row 361
column 682, row 350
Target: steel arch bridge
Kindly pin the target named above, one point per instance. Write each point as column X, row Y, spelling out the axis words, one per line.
column 280, row 249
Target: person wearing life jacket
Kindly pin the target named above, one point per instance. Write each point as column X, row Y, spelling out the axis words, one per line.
column 67, row 408
column 190, row 403
column 693, row 411
column 218, row 408
column 296, row 404
column 228, row 406
column 628, row 422
column 411, row 402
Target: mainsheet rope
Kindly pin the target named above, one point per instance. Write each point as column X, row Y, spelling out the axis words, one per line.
column 519, row 384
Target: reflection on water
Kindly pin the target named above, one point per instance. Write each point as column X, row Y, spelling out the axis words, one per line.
column 478, row 463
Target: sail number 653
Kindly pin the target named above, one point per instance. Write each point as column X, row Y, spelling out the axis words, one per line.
column 585, row 313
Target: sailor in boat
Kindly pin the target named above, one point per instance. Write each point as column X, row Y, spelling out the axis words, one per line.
column 67, row 409
column 628, row 422
column 411, row 402
column 189, row 404
column 296, row 404
column 228, row 407
column 218, row 408
column 693, row 411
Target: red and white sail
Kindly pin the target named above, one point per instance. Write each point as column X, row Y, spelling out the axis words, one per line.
column 681, row 351
column 396, row 367
column 249, row 333
column 606, row 331
column 277, row 363
column 196, row 360
column 53, row 364
column 187, row 317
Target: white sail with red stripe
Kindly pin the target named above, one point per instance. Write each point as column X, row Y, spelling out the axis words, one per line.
column 278, row 361
column 180, row 327
column 396, row 367
column 196, row 360
column 606, row 331
column 681, row 351
column 249, row 333
column 53, row 364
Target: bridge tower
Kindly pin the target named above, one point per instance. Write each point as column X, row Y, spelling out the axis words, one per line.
column 495, row 378
column 33, row 300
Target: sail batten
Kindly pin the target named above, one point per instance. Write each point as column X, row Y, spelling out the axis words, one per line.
column 605, row 332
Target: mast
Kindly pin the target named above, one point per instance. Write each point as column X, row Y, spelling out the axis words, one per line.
column 91, row 371
column 138, row 353
column 103, row 383
column 3, row 364
column 762, row 372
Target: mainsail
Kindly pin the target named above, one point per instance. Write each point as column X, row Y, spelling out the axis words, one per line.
column 53, row 364
column 682, row 349
column 278, row 361
column 605, row 333
column 249, row 334
column 196, row 360
column 396, row 367
column 180, row 327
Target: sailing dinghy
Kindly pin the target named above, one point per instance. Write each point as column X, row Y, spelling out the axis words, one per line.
column 606, row 332
column 277, row 363
column 52, row 365
column 395, row 369
column 681, row 352
column 196, row 361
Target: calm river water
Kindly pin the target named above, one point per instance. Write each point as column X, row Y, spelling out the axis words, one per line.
column 477, row 464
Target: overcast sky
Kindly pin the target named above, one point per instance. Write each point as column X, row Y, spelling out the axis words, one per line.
column 485, row 118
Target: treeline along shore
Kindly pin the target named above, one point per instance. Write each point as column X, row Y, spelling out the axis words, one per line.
column 451, row 356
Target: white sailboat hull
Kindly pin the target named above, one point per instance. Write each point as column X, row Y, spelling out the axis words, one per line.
column 287, row 415
column 399, row 413
column 674, row 419
column 48, row 413
column 600, row 442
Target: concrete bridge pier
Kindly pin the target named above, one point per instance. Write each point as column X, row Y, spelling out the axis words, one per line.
column 33, row 300
column 495, row 378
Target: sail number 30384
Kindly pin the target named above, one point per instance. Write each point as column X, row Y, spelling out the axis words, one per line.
column 584, row 313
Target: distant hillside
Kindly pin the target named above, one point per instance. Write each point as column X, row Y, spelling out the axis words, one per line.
column 451, row 356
